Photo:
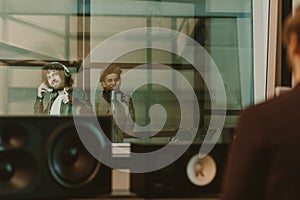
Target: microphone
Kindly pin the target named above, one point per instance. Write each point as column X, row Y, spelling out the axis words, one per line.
column 117, row 95
column 112, row 100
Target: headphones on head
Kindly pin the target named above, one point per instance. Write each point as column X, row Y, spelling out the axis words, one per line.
column 66, row 70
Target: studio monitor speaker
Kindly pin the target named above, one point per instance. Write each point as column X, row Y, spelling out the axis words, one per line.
column 44, row 158
column 188, row 176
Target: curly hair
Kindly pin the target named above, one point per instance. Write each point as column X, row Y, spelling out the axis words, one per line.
column 63, row 72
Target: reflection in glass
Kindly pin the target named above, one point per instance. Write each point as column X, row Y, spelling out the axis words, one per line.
column 34, row 34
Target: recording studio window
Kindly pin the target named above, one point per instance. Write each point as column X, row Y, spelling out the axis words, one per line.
column 224, row 30
column 32, row 35
column 19, row 86
column 159, row 80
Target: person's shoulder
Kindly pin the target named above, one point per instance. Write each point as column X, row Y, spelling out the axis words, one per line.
column 273, row 107
column 266, row 118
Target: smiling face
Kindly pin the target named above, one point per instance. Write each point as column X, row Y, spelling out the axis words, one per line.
column 56, row 79
column 111, row 82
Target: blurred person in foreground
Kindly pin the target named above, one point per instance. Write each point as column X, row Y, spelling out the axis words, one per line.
column 264, row 161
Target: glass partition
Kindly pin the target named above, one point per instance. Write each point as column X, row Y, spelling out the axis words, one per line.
column 224, row 30
column 34, row 33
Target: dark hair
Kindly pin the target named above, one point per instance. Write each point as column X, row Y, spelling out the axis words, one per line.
column 291, row 25
column 111, row 69
column 62, row 69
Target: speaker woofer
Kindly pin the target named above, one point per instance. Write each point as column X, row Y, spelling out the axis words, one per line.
column 18, row 169
column 13, row 135
column 70, row 164
column 43, row 158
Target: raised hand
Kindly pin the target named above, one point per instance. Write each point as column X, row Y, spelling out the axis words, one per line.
column 43, row 89
column 67, row 98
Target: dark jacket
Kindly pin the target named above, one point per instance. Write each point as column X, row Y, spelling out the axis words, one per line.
column 103, row 107
column 264, row 160
column 82, row 104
